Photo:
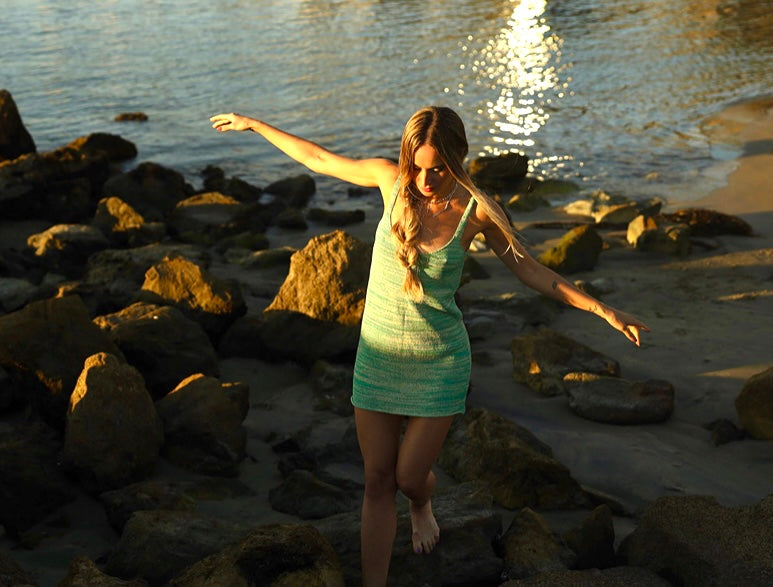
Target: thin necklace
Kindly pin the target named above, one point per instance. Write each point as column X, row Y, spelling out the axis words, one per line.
column 447, row 199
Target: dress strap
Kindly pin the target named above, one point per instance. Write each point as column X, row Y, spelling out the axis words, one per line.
column 392, row 199
column 465, row 216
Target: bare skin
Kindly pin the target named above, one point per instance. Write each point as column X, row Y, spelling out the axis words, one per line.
column 391, row 463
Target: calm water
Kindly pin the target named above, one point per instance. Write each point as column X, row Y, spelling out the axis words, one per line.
column 607, row 92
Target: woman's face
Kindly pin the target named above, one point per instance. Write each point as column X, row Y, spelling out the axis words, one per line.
column 431, row 175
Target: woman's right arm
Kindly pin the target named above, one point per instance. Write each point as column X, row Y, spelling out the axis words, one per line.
column 364, row 172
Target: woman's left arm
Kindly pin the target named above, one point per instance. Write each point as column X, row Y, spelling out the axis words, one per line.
column 546, row 281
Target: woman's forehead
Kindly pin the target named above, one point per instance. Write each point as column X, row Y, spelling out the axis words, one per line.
column 427, row 157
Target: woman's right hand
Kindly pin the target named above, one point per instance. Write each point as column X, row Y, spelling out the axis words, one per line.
column 232, row 121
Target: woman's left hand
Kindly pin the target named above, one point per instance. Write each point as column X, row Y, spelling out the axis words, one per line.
column 628, row 324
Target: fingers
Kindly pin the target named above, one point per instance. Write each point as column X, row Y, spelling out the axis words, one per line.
column 222, row 122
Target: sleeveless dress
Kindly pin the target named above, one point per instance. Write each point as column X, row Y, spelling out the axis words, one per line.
column 413, row 358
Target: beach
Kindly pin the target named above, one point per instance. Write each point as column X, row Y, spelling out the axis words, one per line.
column 710, row 315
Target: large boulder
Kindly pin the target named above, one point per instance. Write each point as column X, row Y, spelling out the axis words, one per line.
column 43, row 348
column 294, row 191
column 499, row 173
column 213, row 302
column 206, row 218
column 519, row 469
column 164, row 345
column 123, row 226
column 15, row 140
column 65, row 248
column 755, row 405
column 652, row 235
column 694, row 541
column 114, row 434
column 305, row 495
column 578, row 250
column 203, row 425
column 542, row 358
column 280, row 554
column 327, row 279
column 703, row 222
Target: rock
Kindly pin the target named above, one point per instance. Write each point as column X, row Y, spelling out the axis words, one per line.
column 598, row 200
column 709, row 222
column 212, row 302
column 530, row 547
column 151, row 189
column 158, row 545
column 332, row 387
column 647, row 235
column 724, row 431
column 578, row 250
column 203, row 425
column 755, row 405
column 291, row 219
column 519, row 469
column 527, row 202
column 499, row 173
column 164, row 345
column 155, row 494
column 12, row 574
column 694, row 541
column 83, row 572
column 31, row 482
column 115, row 148
column 327, row 279
column 308, row 497
column 335, row 217
column 208, row 217
column 271, row 555
column 123, row 226
column 613, row 400
column 43, row 348
column 294, row 191
column 15, row 140
column 216, row 181
column 131, row 117
column 614, row 577
column 66, row 247
column 542, row 358
column 593, row 541
column 278, row 257
column 15, row 293
column 113, row 434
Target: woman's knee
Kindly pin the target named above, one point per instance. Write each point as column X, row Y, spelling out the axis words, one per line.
column 413, row 484
column 380, row 482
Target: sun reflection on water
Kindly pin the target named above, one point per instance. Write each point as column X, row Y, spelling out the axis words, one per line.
column 520, row 70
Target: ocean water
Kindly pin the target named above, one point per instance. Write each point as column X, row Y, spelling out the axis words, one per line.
column 608, row 93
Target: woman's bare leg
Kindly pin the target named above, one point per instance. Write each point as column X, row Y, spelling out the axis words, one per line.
column 420, row 448
column 379, row 438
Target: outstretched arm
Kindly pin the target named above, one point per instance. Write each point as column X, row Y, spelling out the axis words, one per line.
column 364, row 172
column 546, row 281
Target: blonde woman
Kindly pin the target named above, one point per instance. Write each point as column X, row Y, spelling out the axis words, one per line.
column 413, row 358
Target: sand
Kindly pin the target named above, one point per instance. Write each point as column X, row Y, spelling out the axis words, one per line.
column 711, row 316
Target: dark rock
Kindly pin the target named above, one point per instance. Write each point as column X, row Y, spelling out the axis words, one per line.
column 15, row 140
column 31, row 484
column 294, row 191
column 694, row 541
column 755, row 405
column 151, row 189
column 613, row 400
column 83, row 572
column 158, row 545
column 542, row 358
column 648, row 235
column 709, row 222
column 305, row 495
column 593, row 541
column 519, row 469
column 64, row 248
column 270, row 555
column 164, row 345
column 335, row 217
column 115, row 148
column 131, row 117
column 208, row 217
column 499, row 173
column 123, row 226
column 43, row 348
column 291, row 219
column 216, row 181
column 530, row 548
column 578, row 250
column 113, row 433
column 332, row 387
column 724, row 431
column 327, row 279
column 203, row 425
column 614, row 577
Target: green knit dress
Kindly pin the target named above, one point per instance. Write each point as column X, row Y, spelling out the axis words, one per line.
column 413, row 358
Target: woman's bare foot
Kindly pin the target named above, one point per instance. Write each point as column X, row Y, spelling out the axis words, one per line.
column 426, row 532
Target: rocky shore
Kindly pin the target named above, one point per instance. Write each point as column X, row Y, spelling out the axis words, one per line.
column 175, row 368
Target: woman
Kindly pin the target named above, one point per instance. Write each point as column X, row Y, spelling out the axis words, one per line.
column 414, row 356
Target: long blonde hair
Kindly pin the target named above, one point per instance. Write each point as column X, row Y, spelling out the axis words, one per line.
column 443, row 129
